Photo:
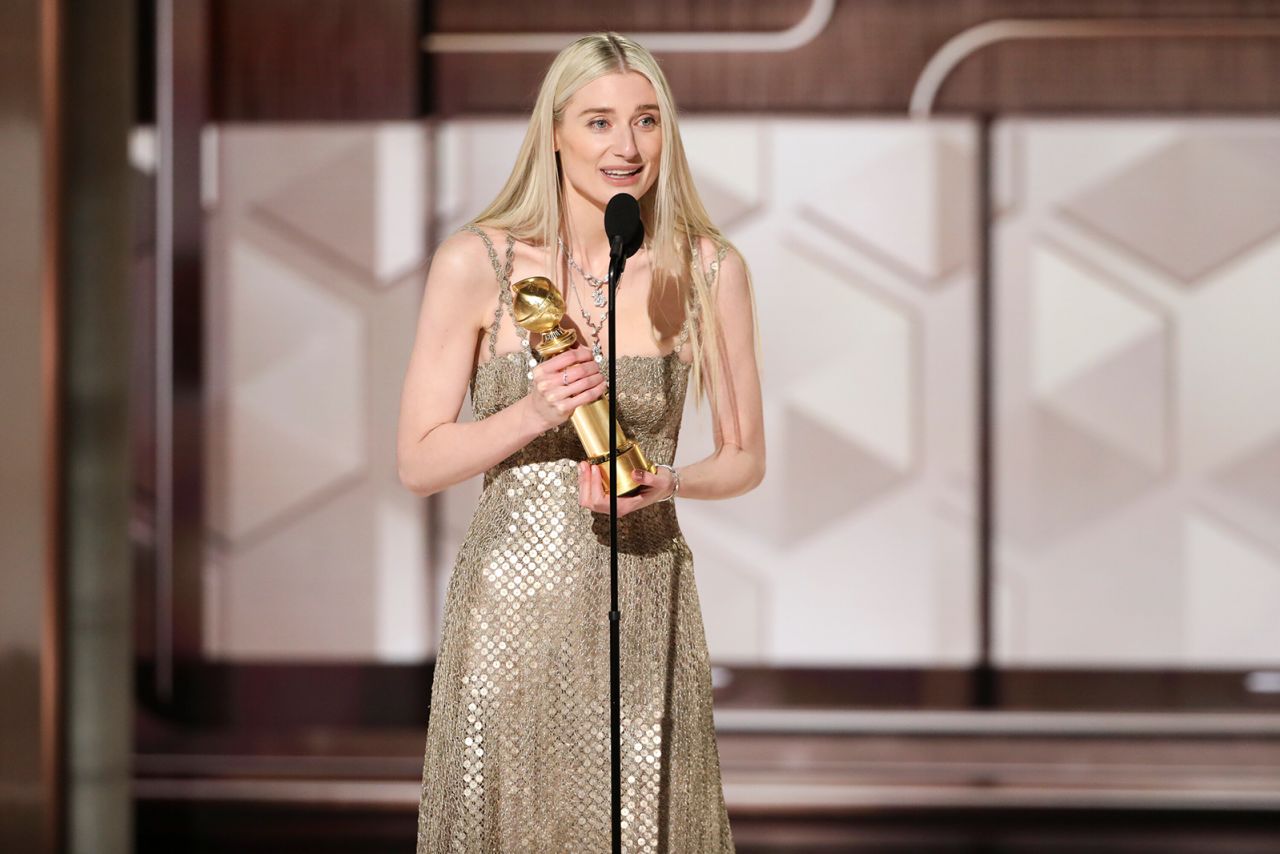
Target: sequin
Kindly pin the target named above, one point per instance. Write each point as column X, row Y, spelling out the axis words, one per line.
column 517, row 748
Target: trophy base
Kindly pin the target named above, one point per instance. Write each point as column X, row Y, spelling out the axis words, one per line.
column 630, row 459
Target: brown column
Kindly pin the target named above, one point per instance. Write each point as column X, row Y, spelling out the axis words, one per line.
column 94, row 233
column 31, row 731
column 66, row 83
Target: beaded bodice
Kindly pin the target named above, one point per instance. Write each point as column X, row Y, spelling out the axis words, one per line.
column 650, row 394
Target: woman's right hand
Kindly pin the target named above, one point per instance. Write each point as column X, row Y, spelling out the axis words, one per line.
column 553, row 400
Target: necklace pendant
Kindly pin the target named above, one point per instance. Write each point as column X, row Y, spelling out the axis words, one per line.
column 599, row 298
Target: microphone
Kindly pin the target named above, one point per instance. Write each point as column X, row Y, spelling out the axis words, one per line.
column 625, row 231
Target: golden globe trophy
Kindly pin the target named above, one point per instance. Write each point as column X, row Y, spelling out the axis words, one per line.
column 538, row 307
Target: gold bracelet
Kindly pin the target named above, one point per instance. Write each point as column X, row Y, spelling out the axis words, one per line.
column 675, row 477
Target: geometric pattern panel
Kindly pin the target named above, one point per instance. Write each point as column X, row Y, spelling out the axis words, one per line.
column 1099, row 357
column 900, row 206
column 1230, row 404
column 1229, row 575
column 301, row 594
column 1254, row 479
column 1137, row 393
column 1191, row 205
column 315, row 246
column 1055, row 480
column 727, row 159
column 865, row 391
column 1137, row 389
column 364, row 203
column 289, row 425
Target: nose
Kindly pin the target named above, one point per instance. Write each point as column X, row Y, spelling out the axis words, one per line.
column 626, row 143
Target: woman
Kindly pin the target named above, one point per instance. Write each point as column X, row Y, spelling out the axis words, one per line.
column 518, row 742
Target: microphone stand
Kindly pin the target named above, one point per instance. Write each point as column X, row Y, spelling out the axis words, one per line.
column 617, row 260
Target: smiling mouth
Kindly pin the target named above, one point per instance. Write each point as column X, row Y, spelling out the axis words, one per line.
column 616, row 173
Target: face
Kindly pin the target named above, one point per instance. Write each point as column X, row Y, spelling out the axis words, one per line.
column 610, row 139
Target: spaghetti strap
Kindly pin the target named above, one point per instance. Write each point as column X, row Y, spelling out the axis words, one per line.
column 503, row 274
column 684, row 332
column 691, row 310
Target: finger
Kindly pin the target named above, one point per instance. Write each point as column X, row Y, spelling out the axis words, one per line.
column 582, row 392
column 598, row 494
column 593, row 487
column 590, row 395
column 554, row 370
column 580, row 382
column 559, row 361
column 627, row 501
column 592, row 379
column 566, row 403
column 584, row 471
column 630, row 503
column 550, row 382
column 658, row 484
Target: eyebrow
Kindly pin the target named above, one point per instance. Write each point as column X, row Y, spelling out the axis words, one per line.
column 610, row 110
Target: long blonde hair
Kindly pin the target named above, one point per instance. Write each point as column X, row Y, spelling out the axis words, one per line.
column 529, row 205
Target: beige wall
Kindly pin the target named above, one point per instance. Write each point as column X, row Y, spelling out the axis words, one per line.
column 316, row 240
column 1137, row 274
column 1135, row 389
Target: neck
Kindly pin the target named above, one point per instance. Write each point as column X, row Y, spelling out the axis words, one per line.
column 585, row 235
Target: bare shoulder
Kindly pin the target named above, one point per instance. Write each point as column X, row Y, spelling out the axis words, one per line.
column 707, row 249
column 720, row 260
column 463, row 258
column 460, row 281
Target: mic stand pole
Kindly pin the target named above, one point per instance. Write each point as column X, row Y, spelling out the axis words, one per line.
column 616, row 262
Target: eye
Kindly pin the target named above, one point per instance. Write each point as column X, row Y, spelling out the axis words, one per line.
column 592, row 123
column 652, row 122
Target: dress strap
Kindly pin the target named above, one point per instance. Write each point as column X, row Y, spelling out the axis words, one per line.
column 503, row 274
column 684, row 332
column 691, row 310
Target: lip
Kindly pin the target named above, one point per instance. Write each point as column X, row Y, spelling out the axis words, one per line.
column 623, row 182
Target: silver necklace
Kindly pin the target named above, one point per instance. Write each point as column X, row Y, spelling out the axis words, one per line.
column 597, row 351
column 597, row 284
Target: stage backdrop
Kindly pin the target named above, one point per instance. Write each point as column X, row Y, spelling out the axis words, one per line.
column 1137, row 433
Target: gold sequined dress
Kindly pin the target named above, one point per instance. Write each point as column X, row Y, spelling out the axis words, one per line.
column 518, row 744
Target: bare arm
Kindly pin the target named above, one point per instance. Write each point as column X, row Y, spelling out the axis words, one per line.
column 738, row 464
column 434, row 451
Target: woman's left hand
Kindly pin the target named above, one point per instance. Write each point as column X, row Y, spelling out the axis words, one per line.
column 591, row 493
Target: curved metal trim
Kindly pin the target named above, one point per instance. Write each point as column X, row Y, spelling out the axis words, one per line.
column 801, row 33
column 965, row 44
column 53, row 729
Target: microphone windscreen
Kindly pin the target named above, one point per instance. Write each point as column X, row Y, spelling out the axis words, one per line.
column 622, row 219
